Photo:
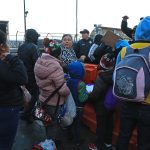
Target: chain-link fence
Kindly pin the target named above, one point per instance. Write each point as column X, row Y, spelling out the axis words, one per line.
column 14, row 41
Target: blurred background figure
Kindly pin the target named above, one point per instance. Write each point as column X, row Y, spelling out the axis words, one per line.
column 95, row 45
column 83, row 46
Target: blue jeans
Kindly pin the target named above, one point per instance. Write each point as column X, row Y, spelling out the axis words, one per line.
column 134, row 115
column 9, row 117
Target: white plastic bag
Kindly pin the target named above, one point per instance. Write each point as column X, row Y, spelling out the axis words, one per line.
column 71, row 106
column 68, row 112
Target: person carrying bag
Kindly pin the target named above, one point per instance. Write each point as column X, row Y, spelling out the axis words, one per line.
column 40, row 111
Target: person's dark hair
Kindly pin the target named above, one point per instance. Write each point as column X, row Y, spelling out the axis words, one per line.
column 31, row 35
column 67, row 35
column 3, row 37
column 97, row 39
column 3, row 45
column 46, row 42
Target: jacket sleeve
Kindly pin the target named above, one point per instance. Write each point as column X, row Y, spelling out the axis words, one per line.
column 77, row 49
column 35, row 53
column 91, row 51
column 82, row 93
column 99, row 52
column 13, row 71
column 99, row 90
column 125, row 29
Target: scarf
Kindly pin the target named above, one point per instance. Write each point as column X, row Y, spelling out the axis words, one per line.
column 67, row 55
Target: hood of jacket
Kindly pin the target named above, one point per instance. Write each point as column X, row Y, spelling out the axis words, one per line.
column 31, row 36
column 76, row 70
column 97, row 39
column 121, row 43
column 45, row 65
column 143, row 30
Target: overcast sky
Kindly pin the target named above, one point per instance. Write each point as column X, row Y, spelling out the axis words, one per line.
column 58, row 16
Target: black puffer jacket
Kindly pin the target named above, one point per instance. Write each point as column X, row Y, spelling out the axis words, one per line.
column 12, row 75
column 82, row 47
column 100, row 51
column 29, row 53
column 102, row 83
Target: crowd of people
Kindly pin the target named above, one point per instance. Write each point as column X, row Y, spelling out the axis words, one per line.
column 62, row 67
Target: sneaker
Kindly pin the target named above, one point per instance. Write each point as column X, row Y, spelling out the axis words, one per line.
column 92, row 146
column 108, row 147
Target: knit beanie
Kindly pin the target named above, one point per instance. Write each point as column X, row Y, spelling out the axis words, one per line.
column 107, row 61
column 31, row 35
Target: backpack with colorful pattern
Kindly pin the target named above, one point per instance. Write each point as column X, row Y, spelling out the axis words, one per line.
column 132, row 75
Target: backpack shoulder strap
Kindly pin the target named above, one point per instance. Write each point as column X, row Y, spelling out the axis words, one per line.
column 126, row 51
column 123, row 52
column 51, row 95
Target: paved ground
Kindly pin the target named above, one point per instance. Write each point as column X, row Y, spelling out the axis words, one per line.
column 30, row 134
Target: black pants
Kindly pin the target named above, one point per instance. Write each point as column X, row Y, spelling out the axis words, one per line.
column 104, row 128
column 134, row 115
column 77, row 125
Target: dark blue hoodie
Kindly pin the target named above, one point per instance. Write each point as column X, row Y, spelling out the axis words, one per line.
column 143, row 30
column 76, row 84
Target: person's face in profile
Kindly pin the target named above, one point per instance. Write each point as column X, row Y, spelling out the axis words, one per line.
column 67, row 41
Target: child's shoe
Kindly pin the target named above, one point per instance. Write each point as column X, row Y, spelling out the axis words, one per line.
column 92, row 146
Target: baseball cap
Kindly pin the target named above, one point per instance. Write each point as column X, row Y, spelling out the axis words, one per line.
column 84, row 31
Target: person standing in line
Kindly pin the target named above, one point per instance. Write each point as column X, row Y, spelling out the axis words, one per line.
column 135, row 114
column 12, row 75
column 78, row 90
column 29, row 53
column 65, row 53
column 104, row 116
column 49, row 76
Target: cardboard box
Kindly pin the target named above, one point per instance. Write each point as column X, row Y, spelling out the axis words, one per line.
column 110, row 39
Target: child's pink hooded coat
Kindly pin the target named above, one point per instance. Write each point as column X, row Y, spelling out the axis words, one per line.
column 49, row 76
